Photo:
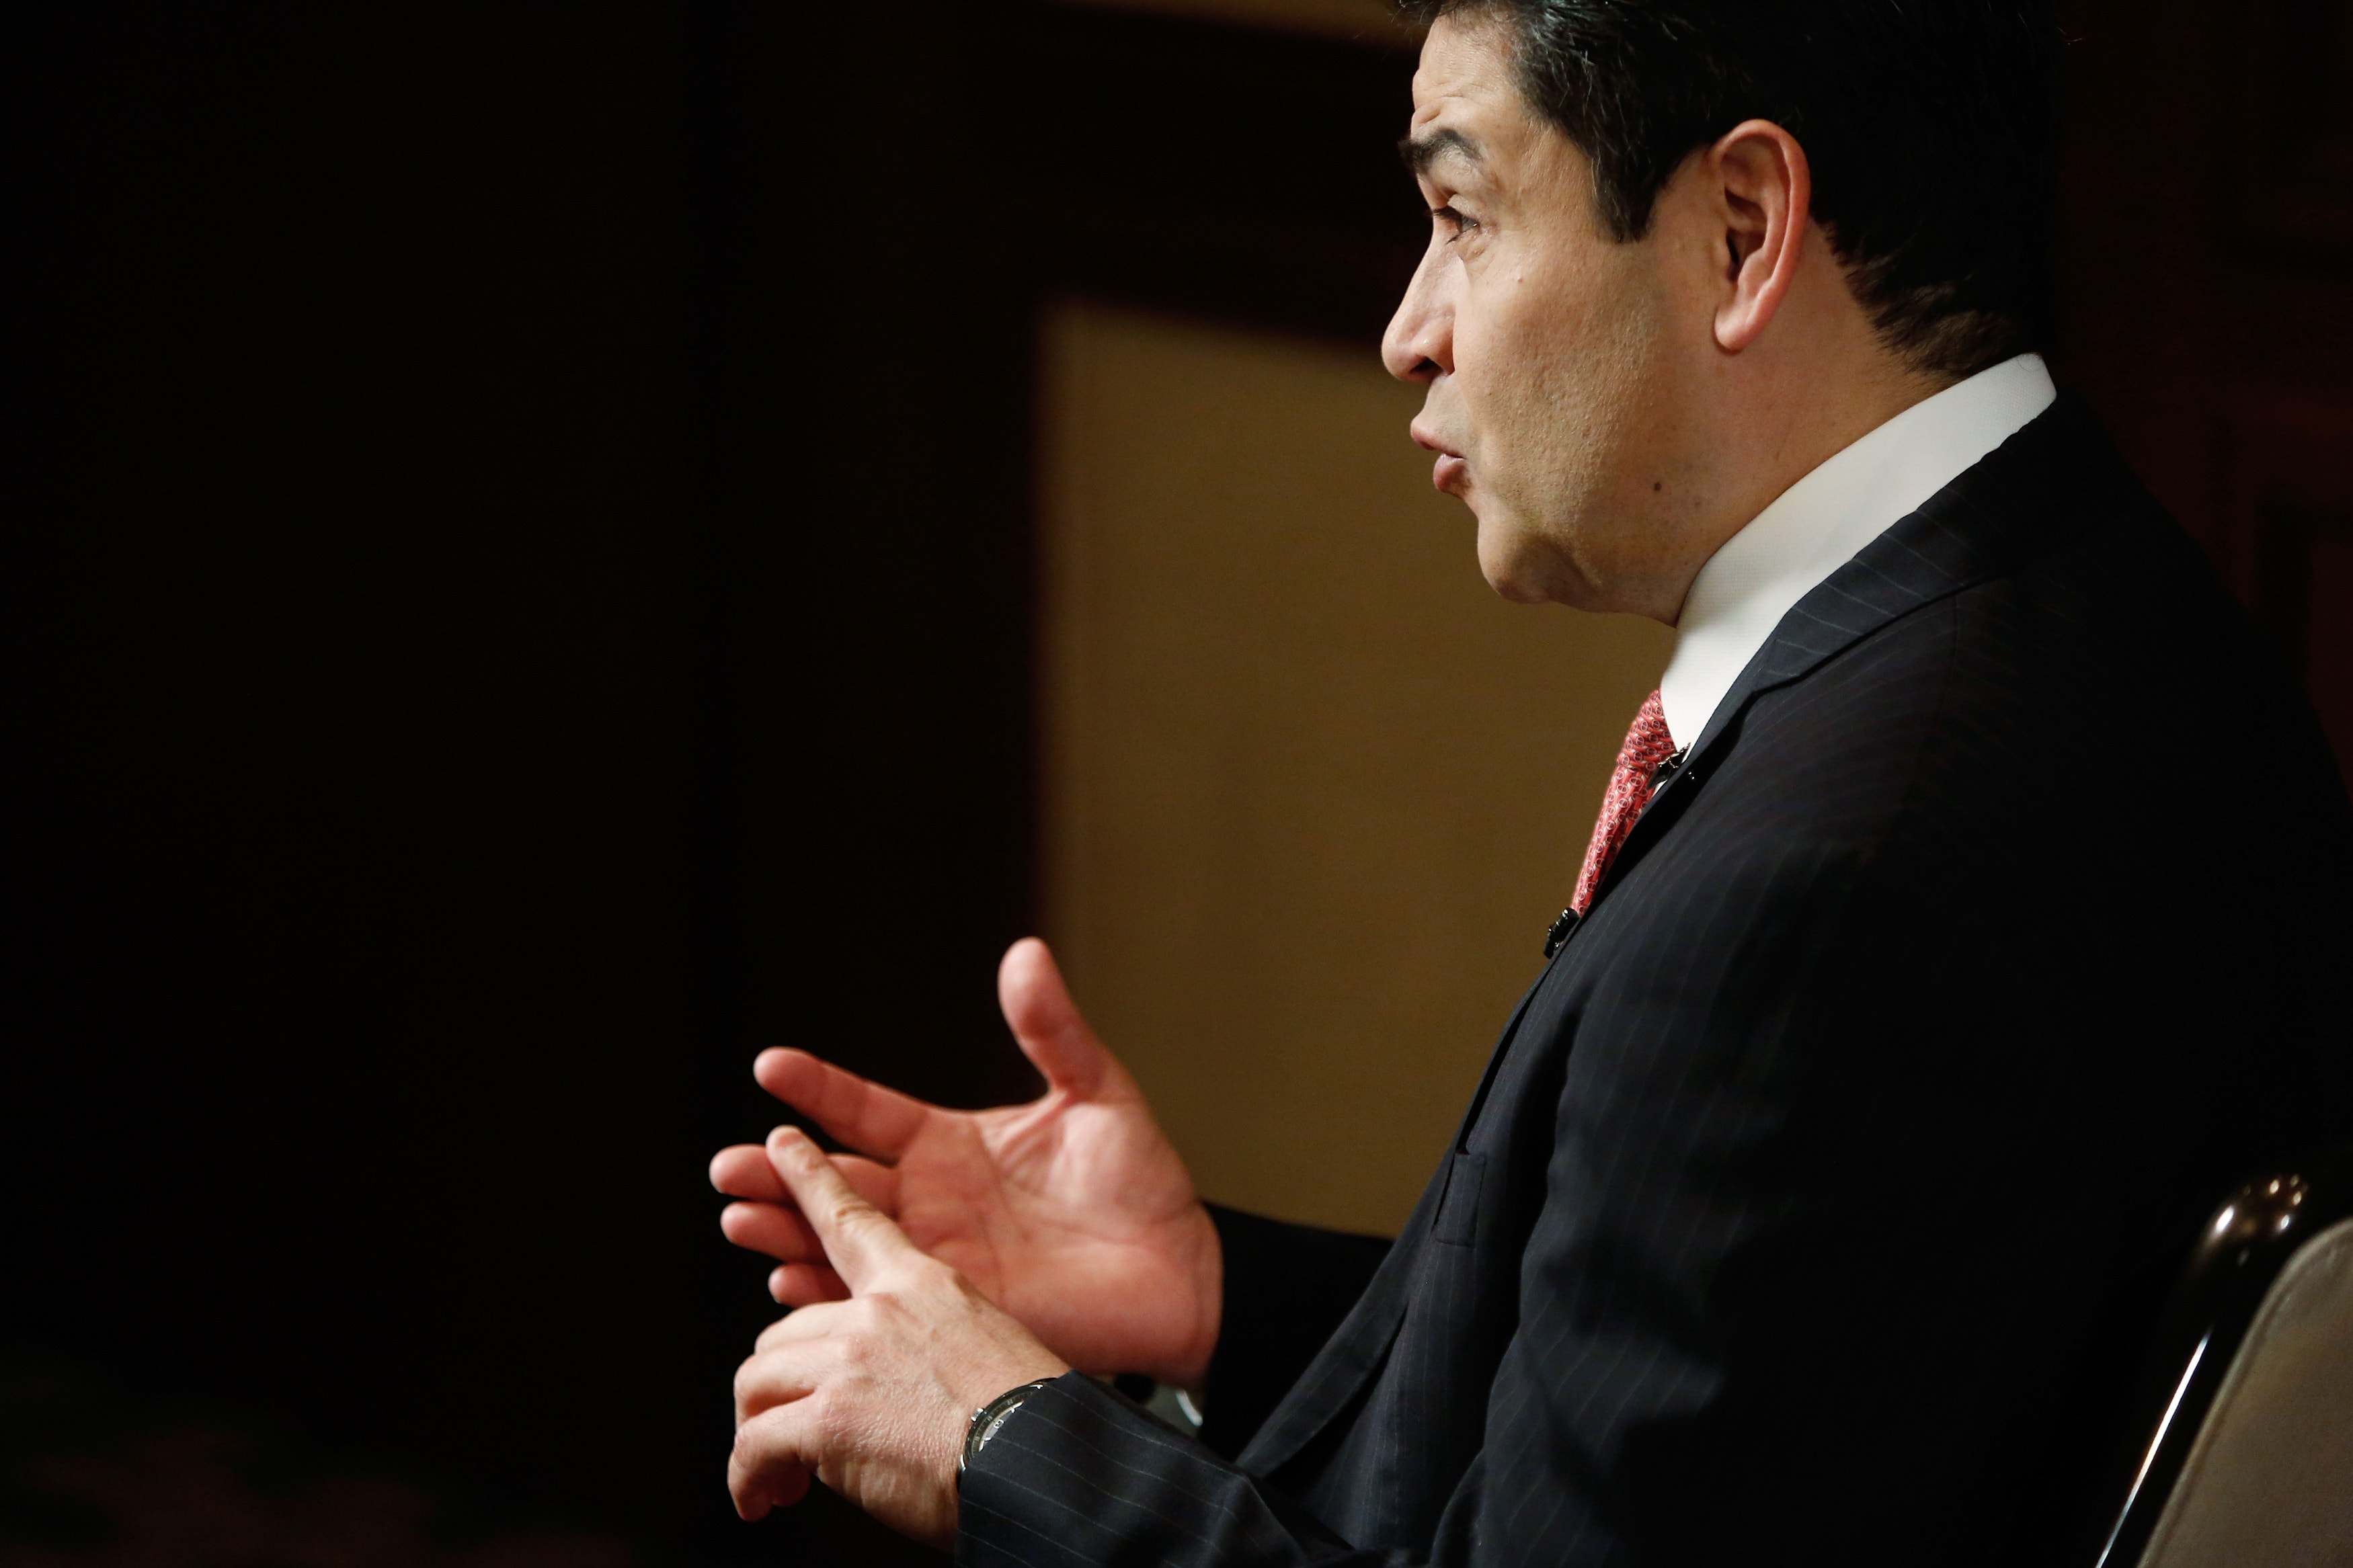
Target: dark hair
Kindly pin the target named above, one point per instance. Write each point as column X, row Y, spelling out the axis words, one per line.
column 1931, row 127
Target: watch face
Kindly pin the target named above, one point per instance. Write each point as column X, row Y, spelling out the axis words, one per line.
column 992, row 1416
column 989, row 1430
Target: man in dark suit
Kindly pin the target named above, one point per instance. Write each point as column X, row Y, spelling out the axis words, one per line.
column 1967, row 909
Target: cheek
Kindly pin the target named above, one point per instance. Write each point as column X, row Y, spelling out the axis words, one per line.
column 1564, row 390
column 1515, row 355
column 1584, row 366
column 1499, row 380
column 1522, row 339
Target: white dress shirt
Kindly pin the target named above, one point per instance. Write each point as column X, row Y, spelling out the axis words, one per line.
column 1822, row 521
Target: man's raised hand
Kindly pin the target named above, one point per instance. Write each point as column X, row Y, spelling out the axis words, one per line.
column 1072, row 1212
column 870, row 1394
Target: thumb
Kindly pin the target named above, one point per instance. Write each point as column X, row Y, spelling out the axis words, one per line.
column 860, row 1240
column 1046, row 1023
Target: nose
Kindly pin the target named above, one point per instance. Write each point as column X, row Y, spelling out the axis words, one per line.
column 1419, row 344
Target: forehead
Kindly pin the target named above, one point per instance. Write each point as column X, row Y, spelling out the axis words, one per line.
column 1465, row 81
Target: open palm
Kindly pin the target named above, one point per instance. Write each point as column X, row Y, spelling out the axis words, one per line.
column 1073, row 1212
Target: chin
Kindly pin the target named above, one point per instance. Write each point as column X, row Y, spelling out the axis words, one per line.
column 1513, row 566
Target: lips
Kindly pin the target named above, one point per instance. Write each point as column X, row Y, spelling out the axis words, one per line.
column 1452, row 469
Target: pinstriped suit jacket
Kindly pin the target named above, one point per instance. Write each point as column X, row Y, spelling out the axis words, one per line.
column 1821, row 1183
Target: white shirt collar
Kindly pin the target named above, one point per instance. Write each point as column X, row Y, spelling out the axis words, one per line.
column 1822, row 521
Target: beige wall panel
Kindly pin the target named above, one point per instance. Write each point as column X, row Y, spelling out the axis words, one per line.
column 1313, row 792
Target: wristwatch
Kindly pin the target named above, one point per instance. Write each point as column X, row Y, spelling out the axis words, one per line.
column 985, row 1420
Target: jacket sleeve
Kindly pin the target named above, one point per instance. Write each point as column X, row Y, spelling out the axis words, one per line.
column 1080, row 1477
column 1286, row 1289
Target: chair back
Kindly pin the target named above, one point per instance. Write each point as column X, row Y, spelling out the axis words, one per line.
column 2251, row 1465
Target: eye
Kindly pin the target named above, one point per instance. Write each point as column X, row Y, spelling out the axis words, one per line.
column 1460, row 222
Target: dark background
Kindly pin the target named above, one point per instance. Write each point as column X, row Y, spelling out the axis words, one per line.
column 518, row 596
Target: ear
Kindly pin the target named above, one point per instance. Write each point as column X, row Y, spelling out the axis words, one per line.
column 1764, row 192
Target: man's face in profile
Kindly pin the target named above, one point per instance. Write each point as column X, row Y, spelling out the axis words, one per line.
column 1545, row 344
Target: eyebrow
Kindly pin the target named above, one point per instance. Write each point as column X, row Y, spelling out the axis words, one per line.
column 1420, row 153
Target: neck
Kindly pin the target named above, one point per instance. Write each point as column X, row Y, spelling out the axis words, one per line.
column 1781, row 423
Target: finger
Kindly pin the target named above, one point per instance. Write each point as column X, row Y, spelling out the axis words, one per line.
column 778, row 1375
column 769, row 1228
column 860, row 1241
column 767, row 1469
column 866, row 1116
column 778, row 1228
column 814, row 1322
column 742, row 1171
column 877, row 1183
column 1047, row 1025
column 806, row 1285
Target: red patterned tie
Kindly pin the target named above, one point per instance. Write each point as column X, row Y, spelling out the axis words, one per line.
column 1647, row 745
